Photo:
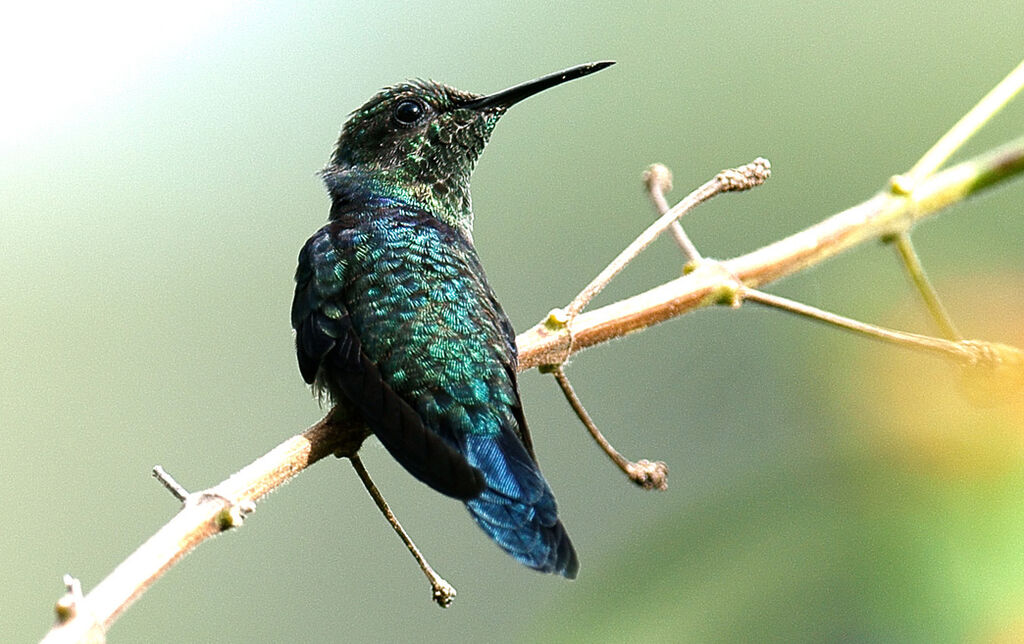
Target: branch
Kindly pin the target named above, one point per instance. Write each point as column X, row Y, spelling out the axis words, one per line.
column 650, row 475
column 550, row 342
column 968, row 125
column 884, row 215
column 733, row 180
column 441, row 590
column 203, row 515
column 912, row 264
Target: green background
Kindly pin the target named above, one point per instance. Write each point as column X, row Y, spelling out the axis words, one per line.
column 822, row 487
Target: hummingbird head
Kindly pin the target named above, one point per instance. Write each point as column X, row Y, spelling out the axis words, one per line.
column 419, row 141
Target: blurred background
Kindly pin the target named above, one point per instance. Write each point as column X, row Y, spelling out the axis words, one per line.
column 157, row 179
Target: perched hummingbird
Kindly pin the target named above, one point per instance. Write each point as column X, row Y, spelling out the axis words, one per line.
column 396, row 322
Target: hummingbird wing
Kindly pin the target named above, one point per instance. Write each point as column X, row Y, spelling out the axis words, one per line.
column 330, row 356
column 418, row 320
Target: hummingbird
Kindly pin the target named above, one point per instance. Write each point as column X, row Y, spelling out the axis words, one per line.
column 395, row 321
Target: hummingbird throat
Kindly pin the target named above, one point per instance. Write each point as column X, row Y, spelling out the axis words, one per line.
column 429, row 171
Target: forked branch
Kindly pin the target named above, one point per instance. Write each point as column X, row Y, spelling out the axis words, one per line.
column 883, row 215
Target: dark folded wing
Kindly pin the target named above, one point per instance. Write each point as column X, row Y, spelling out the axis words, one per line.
column 330, row 356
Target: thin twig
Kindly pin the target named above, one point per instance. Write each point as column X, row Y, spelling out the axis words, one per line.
column 443, row 593
column 965, row 353
column 658, row 180
column 991, row 372
column 175, row 488
column 961, row 132
column 650, row 475
column 912, row 263
column 735, row 179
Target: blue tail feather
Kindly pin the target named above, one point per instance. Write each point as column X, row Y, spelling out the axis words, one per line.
column 517, row 508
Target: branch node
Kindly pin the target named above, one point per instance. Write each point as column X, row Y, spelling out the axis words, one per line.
column 658, row 177
column 175, row 488
column 233, row 516
column 650, row 475
column 557, row 322
column 727, row 289
column 728, row 293
column 900, row 185
column 67, row 606
column 557, row 319
column 744, row 177
column 443, row 592
column 992, row 373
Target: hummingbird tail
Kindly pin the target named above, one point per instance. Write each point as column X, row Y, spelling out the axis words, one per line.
column 517, row 508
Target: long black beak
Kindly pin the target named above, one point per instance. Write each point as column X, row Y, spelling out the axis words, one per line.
column 508, row 97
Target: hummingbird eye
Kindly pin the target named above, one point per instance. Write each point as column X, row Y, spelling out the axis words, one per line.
column 408, row 112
